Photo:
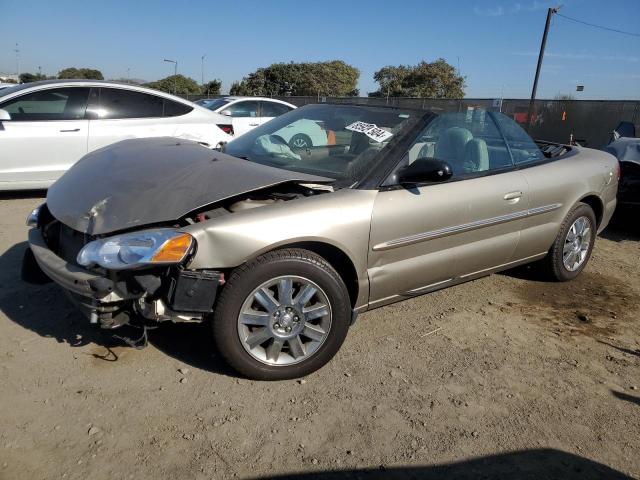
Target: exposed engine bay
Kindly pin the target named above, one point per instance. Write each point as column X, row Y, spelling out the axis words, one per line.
column 145, row 297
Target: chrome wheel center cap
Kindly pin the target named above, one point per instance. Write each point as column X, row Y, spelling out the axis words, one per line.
column 287, row 320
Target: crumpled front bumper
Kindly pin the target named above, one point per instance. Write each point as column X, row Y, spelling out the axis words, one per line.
column 75, row 279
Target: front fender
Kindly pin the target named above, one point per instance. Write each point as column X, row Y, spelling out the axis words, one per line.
column 341, row 219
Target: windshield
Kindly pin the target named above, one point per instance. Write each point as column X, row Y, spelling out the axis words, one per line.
column 14, row 88
column 215, row 104
column 336, row 141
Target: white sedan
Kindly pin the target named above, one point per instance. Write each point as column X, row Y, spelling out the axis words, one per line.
column 45, row 127
column 247, row 113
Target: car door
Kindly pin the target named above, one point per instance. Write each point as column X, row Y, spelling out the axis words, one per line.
column 426, row 237
column 270, row 110
column 244, row 115
column 550, row 183
column 47, row 133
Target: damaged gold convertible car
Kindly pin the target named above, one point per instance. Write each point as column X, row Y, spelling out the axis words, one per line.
column 280, row 248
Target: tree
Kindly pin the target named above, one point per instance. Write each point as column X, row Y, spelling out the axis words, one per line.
column 335, row 78
column 428, row 80
column 178, row 84
column 81, row 73
column 212, row 88
column 32, row 77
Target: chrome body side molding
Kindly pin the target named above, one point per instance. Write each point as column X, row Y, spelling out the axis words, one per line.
column 444, row 232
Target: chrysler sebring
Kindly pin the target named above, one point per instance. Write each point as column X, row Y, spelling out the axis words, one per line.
column 279, row 248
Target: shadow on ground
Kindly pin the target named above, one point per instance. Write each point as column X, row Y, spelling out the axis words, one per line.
column 526, row 464
column 13, row 195
column 626, row 397
column 45, row 310
column 623, row 225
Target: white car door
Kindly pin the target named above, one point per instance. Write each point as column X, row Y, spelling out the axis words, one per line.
column 118, row 114
column 270, row 110
column 47, row 133
column 244, row 115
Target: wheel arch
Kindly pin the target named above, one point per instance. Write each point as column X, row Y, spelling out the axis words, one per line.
column 337, row 258
column 596, row 205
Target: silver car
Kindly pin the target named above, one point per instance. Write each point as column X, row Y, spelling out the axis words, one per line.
column 281, row 248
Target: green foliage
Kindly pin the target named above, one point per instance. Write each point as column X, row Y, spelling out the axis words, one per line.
column 32, row 77
column 81, row 73
column 427, row 80
column 178, row 84
column 212, row 88
column 334, row 78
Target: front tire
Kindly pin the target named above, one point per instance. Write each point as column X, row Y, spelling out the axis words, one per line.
column 573, row 246
column 282, row 315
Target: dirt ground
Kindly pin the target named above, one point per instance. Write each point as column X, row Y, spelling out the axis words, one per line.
column 503, row 377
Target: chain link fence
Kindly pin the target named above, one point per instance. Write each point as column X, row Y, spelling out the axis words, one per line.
column 587, row 122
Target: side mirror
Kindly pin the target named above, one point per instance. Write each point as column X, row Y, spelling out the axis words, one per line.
column 425, row 170
column 226, row 113
column 4, row 115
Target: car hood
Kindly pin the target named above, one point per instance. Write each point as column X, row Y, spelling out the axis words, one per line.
column 147, row 181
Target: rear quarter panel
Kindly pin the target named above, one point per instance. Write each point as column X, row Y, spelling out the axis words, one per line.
column 565, row 182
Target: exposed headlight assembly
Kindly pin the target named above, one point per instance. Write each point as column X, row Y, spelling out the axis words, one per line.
column 138, row 249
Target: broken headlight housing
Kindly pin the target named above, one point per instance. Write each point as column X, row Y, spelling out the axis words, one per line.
column 138, row 249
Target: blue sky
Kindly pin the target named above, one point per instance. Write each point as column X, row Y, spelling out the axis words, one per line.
column 495, row 41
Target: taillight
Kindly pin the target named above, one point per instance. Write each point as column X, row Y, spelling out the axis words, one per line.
column 226, row 128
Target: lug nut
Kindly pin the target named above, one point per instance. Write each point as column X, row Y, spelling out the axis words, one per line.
column 288, row 329
column 296, row 319
column 276, row 325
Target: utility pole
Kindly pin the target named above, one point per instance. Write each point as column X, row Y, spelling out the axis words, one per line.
column 202, row 68
column 17, row 50
column 175, row 73
column 550, row 14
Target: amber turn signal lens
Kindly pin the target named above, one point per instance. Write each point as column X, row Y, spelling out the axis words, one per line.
column 174, row 250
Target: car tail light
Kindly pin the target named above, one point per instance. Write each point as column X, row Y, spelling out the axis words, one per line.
column 226, row 128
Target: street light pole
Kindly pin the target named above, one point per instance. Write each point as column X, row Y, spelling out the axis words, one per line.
column 202, row 69
column 17, row 50
column 175, row 73
column 543, row 45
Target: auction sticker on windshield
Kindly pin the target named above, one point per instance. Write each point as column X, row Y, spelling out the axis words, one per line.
column 371, row 130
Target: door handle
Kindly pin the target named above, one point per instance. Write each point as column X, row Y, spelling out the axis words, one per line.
column 512, row 195
column 71, row 130
column 253, row 124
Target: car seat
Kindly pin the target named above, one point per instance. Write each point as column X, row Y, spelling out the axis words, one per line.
column 476, row 156
column 450, row 147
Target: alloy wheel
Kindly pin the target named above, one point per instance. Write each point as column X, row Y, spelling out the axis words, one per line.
column 284, row 321
column 576, row 244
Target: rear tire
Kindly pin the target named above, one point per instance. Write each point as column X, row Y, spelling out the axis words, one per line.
column 265, row 327
column 572, row 247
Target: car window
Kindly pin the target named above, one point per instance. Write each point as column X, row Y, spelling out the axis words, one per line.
column 215, row 104
column 468, row 141
column 523, row 148
column 243, row 109
column 175, row 109
column 50, row 104
column 119, row 103
column 273, row 109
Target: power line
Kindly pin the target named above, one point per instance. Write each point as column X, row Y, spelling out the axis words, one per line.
column 598, row 26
